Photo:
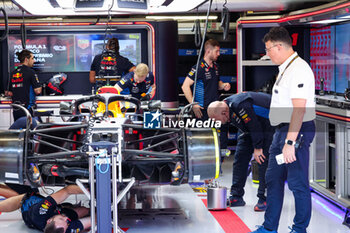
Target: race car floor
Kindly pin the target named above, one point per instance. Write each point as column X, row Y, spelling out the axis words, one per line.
column 186, row 212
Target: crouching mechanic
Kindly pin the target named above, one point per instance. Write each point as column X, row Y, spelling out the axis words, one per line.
column 140, row 82
column 249, row 113
column 46, row 214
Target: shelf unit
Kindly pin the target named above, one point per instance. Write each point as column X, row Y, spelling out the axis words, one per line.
column 330, row 150
column 252, row 73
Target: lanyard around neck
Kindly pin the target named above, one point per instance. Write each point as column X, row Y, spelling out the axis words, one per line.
column 278, row 81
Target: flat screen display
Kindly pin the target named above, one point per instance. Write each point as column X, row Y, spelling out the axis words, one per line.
column 69, row 53
column 342, row 57
column 330, row 56
column 51, row 52
column 322, row 57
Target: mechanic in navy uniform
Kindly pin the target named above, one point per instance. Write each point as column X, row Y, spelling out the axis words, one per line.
column 249, row 113
column 24, row 84
column 208, row 80
column 292, row 111
column 140, row 83
column 47, row 214
column 110, row 63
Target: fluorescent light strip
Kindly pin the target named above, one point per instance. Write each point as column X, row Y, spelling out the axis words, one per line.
column 327, row 21
column 67, row 30
column 43, row 7
column 213, row 17
column 50, row 19
column 175, row 6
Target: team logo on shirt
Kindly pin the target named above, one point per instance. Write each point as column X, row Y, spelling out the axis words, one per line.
column 246, row 119
column 46, row 204
column 191, row 73
column 135, row 90
column 237, row 119
column 44, row 207
column 42, row 211
column 244, row 115
column 17, row 85
column 110, row 58
column 17, row 75
column 108, row 61
column 17, row 78
column 37, row 79
column 208, row 75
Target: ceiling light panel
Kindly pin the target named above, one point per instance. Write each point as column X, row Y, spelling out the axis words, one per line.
column 43, row 7
column 175, row 6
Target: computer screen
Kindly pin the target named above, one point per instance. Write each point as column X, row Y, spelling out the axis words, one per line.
column 342, row 57
column 69, row 53
column 52, row 53
column 322, row 57
column 330, row 56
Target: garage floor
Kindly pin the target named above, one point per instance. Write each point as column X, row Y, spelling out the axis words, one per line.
column 186, row 212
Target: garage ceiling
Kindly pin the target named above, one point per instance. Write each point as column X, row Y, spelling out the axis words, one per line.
column 166, row 6
column 264, row 5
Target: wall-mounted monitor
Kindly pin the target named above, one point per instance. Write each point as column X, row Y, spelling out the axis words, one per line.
column 342, row 57
column 330, row 56
column 74, row 52
column 88, row 46
column 52, row 53
column 322, row 57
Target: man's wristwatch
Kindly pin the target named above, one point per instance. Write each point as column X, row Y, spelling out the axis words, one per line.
column 289, row 142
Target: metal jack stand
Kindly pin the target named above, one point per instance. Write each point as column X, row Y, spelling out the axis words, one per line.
column 106, row 160
column 117, row 177
column 103, row 191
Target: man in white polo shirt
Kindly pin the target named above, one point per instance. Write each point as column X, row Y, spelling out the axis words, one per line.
column 292, row 111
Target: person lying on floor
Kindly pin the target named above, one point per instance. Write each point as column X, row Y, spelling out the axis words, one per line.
column 47, row 213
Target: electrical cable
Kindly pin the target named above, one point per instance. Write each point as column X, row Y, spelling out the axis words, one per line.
column 225, row 21
column 200, row 50
column 4, row 37
column 108, row 31
column 197, row 33
column 99, row 164
column 23, row 33
column 97, row 21
column 6, row 31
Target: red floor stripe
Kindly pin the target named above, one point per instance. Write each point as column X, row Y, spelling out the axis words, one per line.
column 228, row 220
column 124, row 229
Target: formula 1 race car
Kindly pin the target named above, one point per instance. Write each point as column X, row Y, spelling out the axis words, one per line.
column 105, row 140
